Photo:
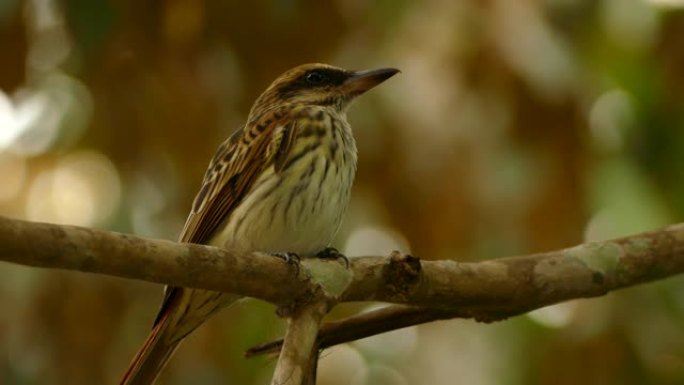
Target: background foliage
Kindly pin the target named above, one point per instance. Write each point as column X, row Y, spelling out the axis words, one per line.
column 515, row 127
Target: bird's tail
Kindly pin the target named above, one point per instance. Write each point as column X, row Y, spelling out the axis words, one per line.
column 152, row 356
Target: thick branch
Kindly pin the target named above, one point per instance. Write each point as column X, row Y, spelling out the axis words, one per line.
column 128, row 256
column 503, row 284
column 583, row 271
column 531, row 281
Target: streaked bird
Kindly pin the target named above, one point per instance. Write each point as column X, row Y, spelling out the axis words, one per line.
column 280, row 185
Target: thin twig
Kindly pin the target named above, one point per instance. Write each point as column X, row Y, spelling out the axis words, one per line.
column 389, row 318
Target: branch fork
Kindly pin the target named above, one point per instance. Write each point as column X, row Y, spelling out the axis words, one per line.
column 418, row 291
column 298, row 357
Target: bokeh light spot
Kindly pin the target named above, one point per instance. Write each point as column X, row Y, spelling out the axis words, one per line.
column 395, row 345
column 341, row 365
column 610, row 116
column 375, row 240
column 82, row 189
column 555, row 316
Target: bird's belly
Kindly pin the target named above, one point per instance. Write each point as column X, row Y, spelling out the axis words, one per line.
column 297, row 210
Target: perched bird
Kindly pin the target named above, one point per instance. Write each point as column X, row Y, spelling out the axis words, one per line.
column 280, row 185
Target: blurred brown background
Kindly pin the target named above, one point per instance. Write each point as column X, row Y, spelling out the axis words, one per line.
column 515, row 127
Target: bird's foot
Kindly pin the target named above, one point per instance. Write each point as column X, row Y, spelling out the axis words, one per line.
column 333, row 253
column 290, row 258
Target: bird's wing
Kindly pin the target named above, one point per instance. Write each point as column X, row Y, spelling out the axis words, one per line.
column 235, row 167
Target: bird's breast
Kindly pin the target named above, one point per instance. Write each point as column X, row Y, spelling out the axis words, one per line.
column 300, row 207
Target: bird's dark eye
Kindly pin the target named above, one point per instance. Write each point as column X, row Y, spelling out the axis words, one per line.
column 315, row 78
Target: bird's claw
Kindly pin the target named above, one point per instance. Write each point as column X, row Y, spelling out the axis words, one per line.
column 290, row 258
column 333, row 253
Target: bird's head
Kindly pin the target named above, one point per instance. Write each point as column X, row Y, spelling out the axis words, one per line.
column 321, row 84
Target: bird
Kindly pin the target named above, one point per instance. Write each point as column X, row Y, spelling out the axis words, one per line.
column 280, row 184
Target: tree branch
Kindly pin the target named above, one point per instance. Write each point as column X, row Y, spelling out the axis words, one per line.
column 383, row 320
column 525, row 283
column 128, row 256
column 486, row 290
column 299, row 354
column 296, row 364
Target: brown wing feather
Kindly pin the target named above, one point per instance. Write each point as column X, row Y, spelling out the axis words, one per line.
column 232, row 171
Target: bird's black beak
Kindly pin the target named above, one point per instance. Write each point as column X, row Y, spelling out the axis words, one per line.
column 362, row 81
